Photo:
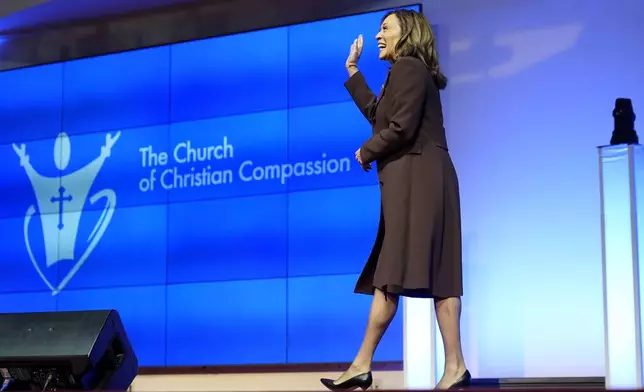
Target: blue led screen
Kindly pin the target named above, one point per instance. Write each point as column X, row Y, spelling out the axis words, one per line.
column 215, row 204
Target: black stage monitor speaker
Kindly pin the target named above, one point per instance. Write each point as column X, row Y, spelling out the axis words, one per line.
column 86, row 350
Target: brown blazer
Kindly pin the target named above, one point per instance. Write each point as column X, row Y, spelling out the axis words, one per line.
column 417, row 251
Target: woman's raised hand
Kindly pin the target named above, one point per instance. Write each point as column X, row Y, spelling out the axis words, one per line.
column 355, row 52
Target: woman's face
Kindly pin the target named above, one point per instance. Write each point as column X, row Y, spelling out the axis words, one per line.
column 388, row 37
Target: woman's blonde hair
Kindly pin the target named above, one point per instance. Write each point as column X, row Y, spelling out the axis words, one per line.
column 417, row 40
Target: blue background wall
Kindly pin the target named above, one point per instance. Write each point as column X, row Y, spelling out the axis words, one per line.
column 258, row 269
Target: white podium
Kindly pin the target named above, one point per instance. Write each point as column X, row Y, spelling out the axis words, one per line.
column 621, row 180
column 423, row 354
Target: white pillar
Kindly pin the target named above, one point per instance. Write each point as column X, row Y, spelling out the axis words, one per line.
column 423, row 354
column 621, row 180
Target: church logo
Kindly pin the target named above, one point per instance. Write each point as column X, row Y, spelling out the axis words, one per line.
column 60, row 201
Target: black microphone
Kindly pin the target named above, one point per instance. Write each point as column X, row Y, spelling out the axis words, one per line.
column 624, row 131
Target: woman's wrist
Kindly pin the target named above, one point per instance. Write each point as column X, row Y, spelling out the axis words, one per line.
column 352, row 69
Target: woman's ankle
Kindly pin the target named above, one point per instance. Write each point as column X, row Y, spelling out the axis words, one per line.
column 361, row 366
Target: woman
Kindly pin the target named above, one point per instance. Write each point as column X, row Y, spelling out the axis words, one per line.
column 417, row 252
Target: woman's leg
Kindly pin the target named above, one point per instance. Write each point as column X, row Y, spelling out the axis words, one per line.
column 383, row 310
column 448, row 313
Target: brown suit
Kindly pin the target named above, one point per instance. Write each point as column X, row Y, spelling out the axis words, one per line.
column 417, row 252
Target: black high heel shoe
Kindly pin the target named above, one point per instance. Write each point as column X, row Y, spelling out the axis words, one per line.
column 362, row 381
column 464, row 381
